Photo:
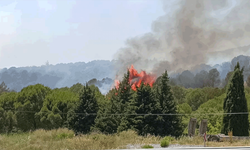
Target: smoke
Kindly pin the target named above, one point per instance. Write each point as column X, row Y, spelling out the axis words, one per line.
column 184, row 37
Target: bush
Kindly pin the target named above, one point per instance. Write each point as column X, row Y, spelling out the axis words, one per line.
column 168, row 138
column 164, row 143
column 147, row 146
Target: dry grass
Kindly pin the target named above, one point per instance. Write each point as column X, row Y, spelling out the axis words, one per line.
column 185, row 140
column 43, row 140
column 63, row 139
column 197, row 140
column 229, row 144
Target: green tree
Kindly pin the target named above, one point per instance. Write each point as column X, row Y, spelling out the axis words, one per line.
column 76, row 88
column 99, row 96
column 184, row 108
column 213, row 92
column 235, row 102
column 3, row 88
column 214, row 129
column 105, row 122
column 144, row 103
column 124, row 97
column 211, row 106
column 113, row 118
column 167, row 124
column 55, row 108
column 28, row 104
column 82, row 117
column 179, row 94
column 7, row 112
column 195, row 98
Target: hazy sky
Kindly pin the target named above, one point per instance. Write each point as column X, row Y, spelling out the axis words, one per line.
column 63, row 31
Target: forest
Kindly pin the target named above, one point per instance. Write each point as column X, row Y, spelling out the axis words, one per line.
column 83, row 108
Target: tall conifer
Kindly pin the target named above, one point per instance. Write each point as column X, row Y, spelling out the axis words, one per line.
column 169, row 124
column 145, row 103
column 114, row 117
column 80, row 118
column 235, row 102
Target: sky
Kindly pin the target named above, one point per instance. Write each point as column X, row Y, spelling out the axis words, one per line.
column 33, row 32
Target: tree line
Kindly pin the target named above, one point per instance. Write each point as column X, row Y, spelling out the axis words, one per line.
column 83, row 108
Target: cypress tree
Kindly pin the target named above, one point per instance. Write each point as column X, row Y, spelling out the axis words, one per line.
column 235, row 102
column 167, row 124
column 80, row 118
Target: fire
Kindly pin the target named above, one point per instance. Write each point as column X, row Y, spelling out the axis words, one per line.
column 117, row 82
column 136, row 78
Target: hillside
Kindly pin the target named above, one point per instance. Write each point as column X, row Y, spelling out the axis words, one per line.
column 101, row 73
column 57, row 76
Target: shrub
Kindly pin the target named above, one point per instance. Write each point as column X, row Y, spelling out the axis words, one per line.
column 147, row 146
column 168, row 138
column 164, row 143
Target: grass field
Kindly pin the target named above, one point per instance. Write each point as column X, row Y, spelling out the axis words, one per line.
column 63, row 139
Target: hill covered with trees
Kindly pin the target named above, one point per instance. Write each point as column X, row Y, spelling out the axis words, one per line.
column 102, row 74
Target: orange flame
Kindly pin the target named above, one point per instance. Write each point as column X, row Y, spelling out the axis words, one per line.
column 135, row 78
column 117, row 82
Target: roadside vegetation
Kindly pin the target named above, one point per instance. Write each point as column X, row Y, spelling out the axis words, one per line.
column 62, row 139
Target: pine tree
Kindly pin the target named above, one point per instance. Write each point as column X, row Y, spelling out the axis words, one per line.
column 167, row 124
column 124, row 93
column 235, row 102
column 105, row 121
column 124, row 97
column 144, row 103
column 114, row 117
column 80, row 118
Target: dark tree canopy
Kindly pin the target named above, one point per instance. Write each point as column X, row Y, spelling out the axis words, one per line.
column 80, row 118
column 30, row 99
column 167, row 124
column 235, row 102
column 119, row 102
column 144, row 103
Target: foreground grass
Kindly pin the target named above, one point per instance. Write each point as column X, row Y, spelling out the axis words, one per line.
column 63, row 139
column 197, row 140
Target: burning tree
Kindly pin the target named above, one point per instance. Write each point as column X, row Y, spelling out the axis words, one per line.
column 135, row 78
column 118, row 105
column 131, row 101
